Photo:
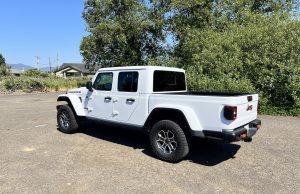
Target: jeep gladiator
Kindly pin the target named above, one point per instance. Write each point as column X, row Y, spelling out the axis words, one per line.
column 155, row 99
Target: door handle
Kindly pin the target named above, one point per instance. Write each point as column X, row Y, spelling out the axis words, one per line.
column 107, row 98
column 130, row 100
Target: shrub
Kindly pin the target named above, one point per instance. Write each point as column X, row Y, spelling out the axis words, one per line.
column 202, row 82
column 30, row 84
column 4, row 71
column 262, row 54
column 36, row 73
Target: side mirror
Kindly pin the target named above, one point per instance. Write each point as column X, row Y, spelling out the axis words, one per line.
column 89, row 86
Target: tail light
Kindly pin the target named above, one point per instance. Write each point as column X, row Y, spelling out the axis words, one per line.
column 230, row 112
column 249, row 98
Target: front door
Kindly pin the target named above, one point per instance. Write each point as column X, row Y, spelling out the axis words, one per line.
column 99, row 103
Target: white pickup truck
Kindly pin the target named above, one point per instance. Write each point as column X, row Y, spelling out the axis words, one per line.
column 155, row 99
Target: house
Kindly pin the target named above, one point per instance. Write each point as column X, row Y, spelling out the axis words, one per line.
column 67, row 70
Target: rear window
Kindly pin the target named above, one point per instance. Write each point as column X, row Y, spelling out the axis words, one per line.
column 168, row 81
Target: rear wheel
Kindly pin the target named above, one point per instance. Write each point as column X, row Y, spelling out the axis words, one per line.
column 66, row 120
column 168, row 141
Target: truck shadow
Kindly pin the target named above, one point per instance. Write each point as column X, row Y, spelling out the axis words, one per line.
column 210, row 152
column 204, row 152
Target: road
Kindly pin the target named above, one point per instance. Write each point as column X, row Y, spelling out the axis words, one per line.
column 36, row 158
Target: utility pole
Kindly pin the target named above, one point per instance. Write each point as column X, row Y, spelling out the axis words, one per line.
column 37, row 61
column 50, row 64
column 57, row 61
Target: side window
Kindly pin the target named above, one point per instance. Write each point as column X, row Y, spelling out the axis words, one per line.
column 168, row 81
column 128, row 81
column 103, row 81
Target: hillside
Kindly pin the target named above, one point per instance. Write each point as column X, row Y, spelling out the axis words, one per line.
column 20, row 66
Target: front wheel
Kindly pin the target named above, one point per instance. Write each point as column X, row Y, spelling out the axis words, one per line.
column 168, row 141
column 66, row 120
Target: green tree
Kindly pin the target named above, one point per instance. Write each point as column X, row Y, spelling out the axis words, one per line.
column 2, row 60
column 4, row 69
column 184, row 17
column 121, row 33
column 240, row 43
column 225, row 45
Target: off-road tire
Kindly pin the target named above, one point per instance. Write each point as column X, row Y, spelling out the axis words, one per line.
column 180, row 137
column 66, row 115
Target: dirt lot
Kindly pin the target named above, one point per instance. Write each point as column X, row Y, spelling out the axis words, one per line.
column 36, row 158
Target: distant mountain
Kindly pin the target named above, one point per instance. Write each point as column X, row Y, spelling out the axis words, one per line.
column 20, row 66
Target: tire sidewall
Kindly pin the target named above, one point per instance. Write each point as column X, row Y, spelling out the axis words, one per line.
column 73, row 126
column 179, row 136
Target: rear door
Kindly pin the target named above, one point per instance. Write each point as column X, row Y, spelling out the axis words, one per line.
column 126, row 99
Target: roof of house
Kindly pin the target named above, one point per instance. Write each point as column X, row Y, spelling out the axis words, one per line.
column 77, row 66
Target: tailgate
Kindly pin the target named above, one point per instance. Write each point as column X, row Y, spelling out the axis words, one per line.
column 246, row 109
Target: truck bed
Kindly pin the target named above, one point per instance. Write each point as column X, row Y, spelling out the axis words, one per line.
column 208, row 107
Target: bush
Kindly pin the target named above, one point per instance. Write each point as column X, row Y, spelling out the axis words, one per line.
column 4, row 71
column 24, row 84
column 36, row 73
column 31, row 84
column 260, row 56
column 203, row 82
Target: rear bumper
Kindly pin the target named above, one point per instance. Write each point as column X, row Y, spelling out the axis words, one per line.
column 241, row 133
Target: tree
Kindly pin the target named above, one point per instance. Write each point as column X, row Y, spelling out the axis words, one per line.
column 122, row 33
column 235, row 44
column 187, row 16
column 4, row 69
column 227, row 45
column 2, row 60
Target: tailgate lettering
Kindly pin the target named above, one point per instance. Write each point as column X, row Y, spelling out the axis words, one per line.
column 249, row 107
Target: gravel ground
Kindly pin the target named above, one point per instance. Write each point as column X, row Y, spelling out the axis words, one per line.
column 36, row 158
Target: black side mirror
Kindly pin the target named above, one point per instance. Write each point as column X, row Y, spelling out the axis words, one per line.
column 89, row 86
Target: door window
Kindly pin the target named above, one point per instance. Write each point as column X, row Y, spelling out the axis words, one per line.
column 103, row 81
column 128, row 81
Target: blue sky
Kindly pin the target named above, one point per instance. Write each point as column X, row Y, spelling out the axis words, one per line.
column 41, row 28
